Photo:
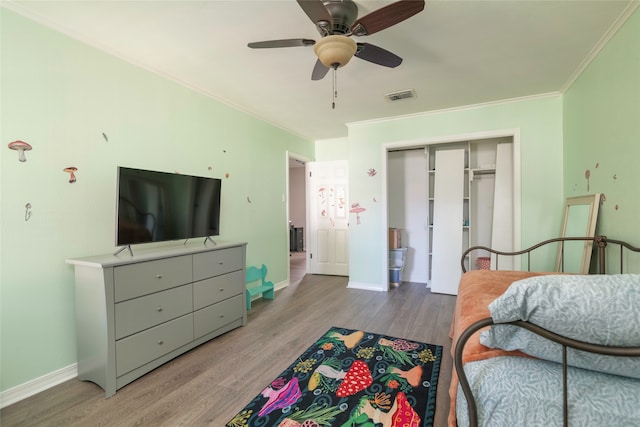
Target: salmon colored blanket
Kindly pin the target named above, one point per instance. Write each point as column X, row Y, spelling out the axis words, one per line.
column 477, row 289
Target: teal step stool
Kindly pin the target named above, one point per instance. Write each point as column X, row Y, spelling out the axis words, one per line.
column 255, row 274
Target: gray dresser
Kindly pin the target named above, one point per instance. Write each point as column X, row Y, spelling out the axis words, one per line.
column 135, row 313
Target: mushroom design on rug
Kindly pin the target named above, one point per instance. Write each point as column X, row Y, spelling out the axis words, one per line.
column 351, row 378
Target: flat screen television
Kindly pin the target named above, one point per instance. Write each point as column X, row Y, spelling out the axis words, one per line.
column 159, row 206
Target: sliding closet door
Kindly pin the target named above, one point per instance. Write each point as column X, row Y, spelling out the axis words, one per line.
column 502, row 227
column 447, row 220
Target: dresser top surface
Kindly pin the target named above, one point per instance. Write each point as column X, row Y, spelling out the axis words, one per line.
column 149, row 254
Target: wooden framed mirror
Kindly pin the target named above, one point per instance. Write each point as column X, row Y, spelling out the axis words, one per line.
column 580, row 218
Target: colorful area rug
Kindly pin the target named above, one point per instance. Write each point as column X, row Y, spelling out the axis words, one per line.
column 351, row 378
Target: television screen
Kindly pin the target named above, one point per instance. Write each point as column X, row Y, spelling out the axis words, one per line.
column 160, row 206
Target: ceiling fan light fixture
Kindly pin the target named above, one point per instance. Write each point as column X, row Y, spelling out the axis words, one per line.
column 335, row 49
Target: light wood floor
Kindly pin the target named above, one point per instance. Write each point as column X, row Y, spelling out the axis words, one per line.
column 211, row 383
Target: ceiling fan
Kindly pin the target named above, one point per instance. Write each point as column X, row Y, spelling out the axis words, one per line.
column 337, row 21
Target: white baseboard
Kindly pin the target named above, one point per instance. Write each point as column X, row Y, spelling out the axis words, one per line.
column 365, row 286
column 22, row 391
column 281, row 285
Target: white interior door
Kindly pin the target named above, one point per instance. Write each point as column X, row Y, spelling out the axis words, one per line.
column 447, row 221
column 328, row 235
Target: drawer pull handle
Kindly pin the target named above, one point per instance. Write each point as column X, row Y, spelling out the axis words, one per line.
column 159, row 309
column 220, row 262
column 159, row 276
column 221, row 289
column 160, row 342
column 221, row 316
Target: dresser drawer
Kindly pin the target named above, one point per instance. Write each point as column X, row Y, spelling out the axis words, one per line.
column 134, row 280
column 216, row 289
column 216, row 316
column 214, row 263
column 137, row 314
column 136, row 350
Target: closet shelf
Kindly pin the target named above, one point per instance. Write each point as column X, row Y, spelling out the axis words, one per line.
column 484, row 171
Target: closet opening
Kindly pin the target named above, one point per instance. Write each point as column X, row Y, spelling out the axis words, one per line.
column 446, row 196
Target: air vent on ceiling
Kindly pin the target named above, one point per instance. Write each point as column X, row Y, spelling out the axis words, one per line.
column 403, row 94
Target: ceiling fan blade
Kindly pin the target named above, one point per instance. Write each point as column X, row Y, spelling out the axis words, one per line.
column 319, row 71
column 386, row 17
column 316, row 11
column 281, row 43
column 377, row 55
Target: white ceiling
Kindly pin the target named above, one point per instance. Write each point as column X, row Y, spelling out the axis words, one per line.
column 455, row 53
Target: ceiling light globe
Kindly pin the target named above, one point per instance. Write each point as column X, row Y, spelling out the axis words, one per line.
column 335, row 49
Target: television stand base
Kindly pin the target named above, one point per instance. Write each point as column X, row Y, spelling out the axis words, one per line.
column 208, row 238
column 122, row 249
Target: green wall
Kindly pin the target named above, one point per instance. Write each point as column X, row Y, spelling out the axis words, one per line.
column 61, row 96
column 602, row 134
column 332, row 149
column 539, row 124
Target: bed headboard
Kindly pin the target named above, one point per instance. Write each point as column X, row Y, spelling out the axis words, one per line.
column 600, row 243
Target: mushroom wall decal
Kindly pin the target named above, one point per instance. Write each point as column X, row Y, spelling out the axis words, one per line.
column 20, row 147
column 587, row 175
column 356, row 209
column 72, row 176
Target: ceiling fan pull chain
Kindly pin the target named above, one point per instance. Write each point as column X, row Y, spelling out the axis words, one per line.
column 335, row 87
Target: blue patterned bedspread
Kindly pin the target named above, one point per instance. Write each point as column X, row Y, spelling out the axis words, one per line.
column 516, row 391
